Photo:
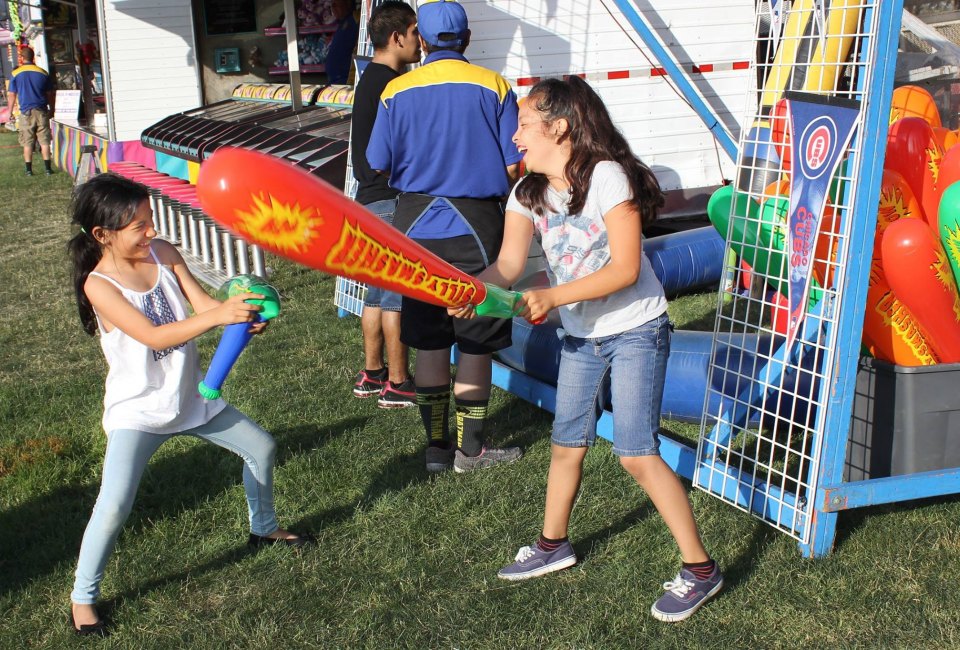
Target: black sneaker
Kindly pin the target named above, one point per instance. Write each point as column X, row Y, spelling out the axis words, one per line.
column 397, row 396
column 439, row 459
column 488, row 457
column 29, row 172
column 48, row 172
column 367, row 384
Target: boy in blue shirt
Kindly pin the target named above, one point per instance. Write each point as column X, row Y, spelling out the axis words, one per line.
column 443, row 135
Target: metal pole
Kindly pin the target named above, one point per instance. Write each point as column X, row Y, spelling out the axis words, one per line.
column 679, row 77
column 105, row 71
column 293, row 54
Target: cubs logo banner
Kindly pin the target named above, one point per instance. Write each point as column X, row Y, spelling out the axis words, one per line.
column 821, row 128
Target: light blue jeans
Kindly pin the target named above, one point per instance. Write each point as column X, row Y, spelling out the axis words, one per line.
column 626, row 371
column 126, row 458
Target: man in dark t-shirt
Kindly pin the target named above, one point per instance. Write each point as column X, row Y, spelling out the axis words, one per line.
column 393, row 31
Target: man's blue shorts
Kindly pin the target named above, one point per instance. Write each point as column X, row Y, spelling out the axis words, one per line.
column 375, row 296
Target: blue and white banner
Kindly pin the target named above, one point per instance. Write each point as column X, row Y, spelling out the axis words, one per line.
column 820, row 130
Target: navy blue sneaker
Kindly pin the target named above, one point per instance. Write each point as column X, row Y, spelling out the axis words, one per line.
column 685, row 594
column 531, row 562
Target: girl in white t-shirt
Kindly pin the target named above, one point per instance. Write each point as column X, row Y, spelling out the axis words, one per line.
column 135, row 290
column 586, row 197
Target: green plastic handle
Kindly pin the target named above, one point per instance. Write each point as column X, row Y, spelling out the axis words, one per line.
column 499, row 303
column 249, row 283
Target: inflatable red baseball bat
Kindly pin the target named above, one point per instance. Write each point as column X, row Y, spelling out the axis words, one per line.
column 282, row 208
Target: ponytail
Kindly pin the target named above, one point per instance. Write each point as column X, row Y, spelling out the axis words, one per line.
column 85, row 252
column 106, row 201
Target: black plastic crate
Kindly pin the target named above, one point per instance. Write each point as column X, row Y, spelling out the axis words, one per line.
column 905, row 420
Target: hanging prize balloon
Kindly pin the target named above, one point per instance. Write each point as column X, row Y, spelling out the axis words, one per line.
column 913, row 151
column 944, row 137
column 914, row 101
column 779, row 122
column 890, row 331
column 949, row 169
column 916, row 268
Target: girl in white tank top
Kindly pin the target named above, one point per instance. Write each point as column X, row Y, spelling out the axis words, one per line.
column 135, row 291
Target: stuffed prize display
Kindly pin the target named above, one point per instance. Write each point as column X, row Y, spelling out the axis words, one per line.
column 236, row 336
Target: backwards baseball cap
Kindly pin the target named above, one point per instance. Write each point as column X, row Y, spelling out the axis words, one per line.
column 442, row 23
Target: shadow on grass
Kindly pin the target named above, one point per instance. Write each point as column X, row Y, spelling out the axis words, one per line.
column 735, row 571
column 515, row 424
column 850, row 521
column 45, row 531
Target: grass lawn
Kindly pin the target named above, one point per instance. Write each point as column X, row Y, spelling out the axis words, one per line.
column 403, row 560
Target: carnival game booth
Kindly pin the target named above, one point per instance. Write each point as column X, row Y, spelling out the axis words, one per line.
column 261, row 117
column 796, row 424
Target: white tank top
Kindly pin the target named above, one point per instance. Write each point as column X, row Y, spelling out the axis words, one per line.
column 153, row 390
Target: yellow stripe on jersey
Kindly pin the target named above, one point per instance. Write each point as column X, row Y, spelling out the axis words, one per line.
column 28, row 68
column 447, row 71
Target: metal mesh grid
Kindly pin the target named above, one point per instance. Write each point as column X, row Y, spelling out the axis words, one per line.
column 348, row 294
column 762, row 427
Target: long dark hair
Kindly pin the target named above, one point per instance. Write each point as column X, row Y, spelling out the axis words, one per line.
column 107, row 201
column 593, row 138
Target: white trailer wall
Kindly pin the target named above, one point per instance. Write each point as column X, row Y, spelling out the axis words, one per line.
column 151, row 68
column 525, row 39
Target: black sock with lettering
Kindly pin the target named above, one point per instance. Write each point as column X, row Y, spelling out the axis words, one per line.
column 471, row 415
column 434, row 405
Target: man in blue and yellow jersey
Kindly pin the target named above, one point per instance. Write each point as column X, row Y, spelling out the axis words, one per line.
column 32, row 90
column 443, row 135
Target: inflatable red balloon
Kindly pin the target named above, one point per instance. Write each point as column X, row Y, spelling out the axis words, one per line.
column 913, row 150
column 917, row 270
column 945, row 137
column 949, row 169
column 914, row 101
column 890, row 331
column 779, row 121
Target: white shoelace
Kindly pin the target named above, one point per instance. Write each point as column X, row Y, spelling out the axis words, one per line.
column 678, row 586
column 525, row 554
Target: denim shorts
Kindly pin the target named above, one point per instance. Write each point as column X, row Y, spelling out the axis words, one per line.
column 375, row 296
column 625, row 371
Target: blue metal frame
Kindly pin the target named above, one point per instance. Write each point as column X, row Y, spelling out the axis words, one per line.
column 679, row 77
column 849, row 323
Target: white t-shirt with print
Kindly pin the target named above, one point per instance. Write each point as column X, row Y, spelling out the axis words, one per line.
column 576, row 245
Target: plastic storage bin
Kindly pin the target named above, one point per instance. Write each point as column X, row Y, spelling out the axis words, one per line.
column 905, row 420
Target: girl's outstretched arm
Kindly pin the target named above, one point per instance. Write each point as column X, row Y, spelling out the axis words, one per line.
column 623, row 269
column 506, row 269
column 517, row 234
column 115, row 311
column 198, row 298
